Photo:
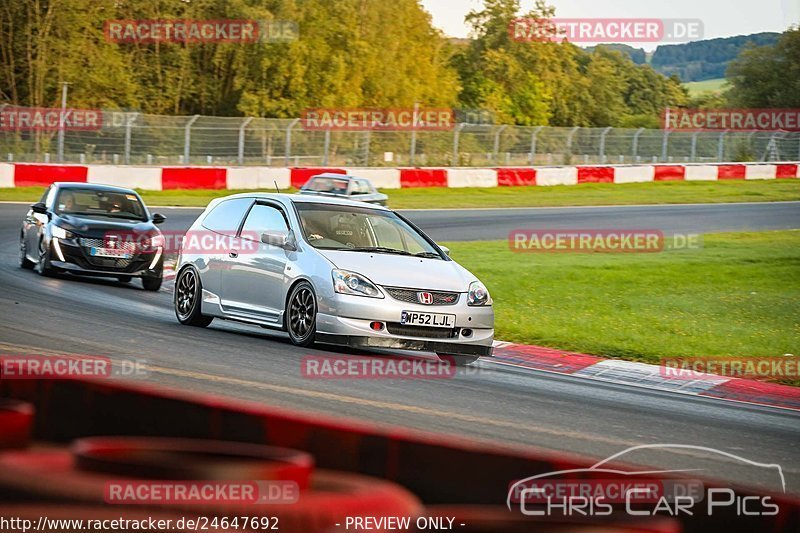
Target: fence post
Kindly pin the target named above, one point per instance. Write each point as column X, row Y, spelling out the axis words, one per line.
column 693, row 155
column 603, row 144
column 569, row 139
column 327, row 147
column 413, row 150
column 497, row 142
column 665, row 145
column 456, row 137
column 288, row 151
column 240, row 157
column 130, row 119
column 635, row 147
column 532, row 153
column 721, row 146
column 187, row 138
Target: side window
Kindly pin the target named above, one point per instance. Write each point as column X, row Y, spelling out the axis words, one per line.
column 360, row 187
column 226, row 217
column 49, row 196
column 263, row 218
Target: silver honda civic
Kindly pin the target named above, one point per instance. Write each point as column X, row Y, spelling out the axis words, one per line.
column 330, row 271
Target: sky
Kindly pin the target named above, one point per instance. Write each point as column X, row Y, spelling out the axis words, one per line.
column 721, row 18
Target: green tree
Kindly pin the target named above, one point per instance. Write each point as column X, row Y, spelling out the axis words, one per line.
column 767, row 76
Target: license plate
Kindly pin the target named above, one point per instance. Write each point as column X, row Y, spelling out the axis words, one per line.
column 435, row 320
column 110, row 252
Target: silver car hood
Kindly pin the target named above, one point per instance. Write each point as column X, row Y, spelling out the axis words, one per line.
column 393, row 270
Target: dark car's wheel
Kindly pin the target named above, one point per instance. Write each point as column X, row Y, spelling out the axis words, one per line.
column 124, row 279
column 301, row 314
column 457, row 360
column 152, row 283
column 43, row 266
column 24, row 262
column 188, row 291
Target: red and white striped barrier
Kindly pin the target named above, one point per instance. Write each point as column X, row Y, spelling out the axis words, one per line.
column 647, row 375
column 163, row 178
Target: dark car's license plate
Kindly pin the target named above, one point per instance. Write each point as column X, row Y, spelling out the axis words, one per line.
column 436, row 320
column 110, row 252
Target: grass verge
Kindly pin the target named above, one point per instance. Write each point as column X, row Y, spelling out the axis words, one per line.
column 678, row 192
column 736, row 296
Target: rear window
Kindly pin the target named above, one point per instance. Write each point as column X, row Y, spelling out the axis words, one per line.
column 227, row 215
column 330, row 185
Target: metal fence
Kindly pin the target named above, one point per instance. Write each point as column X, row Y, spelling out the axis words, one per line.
column 135, row 138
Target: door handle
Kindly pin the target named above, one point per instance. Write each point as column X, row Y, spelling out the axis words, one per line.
column 233, row 253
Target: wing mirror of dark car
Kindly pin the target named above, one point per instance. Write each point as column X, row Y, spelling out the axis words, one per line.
column 40, row 208
column 281, row 239
column 158, row 218
column 445, row 249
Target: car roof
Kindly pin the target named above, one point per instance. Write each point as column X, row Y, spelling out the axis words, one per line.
column 334, row 175
column 92, row 186
column 303, row 199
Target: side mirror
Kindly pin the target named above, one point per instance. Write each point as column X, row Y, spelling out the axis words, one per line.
column 445, row 249
column 281, row 239
column 40, row 208
column 158, row 218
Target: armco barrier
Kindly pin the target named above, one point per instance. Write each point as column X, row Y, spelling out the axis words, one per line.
column 266, row 178
column 440, row 470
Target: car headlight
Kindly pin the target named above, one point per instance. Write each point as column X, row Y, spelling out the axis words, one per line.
column 154, row 241
column 478, row 295
column 346, row 282
column 61, row 233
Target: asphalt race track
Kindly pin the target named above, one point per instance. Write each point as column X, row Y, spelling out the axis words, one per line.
column 492, row 402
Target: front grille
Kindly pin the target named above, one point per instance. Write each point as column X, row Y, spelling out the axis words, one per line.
column 107, row 262
column 127, row 245
column 410, row 296
column 395, row 328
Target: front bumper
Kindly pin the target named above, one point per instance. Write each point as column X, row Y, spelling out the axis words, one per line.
column 346, row 320
column 397, row 343
column 77, row 261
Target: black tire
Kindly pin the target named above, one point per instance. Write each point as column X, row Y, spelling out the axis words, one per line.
column 457, row 360
column 187, row 299
column 43, row 267
column 24, row 262
column 301, row 314
column 152, row 284
column 124, row 279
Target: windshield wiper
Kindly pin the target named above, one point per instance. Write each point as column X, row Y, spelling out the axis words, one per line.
column 378, row 249
column 431, row 255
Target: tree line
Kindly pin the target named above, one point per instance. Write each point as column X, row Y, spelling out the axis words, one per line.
column 350, row 53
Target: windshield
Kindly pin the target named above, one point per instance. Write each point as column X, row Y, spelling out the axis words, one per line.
column 91, row 202
column 335, row 227
column 330, row 185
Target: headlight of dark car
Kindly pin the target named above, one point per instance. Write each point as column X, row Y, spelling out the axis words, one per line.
column 61, row 233
column 478, row 295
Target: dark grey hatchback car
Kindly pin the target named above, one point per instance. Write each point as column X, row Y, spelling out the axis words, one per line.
column 93, row 230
